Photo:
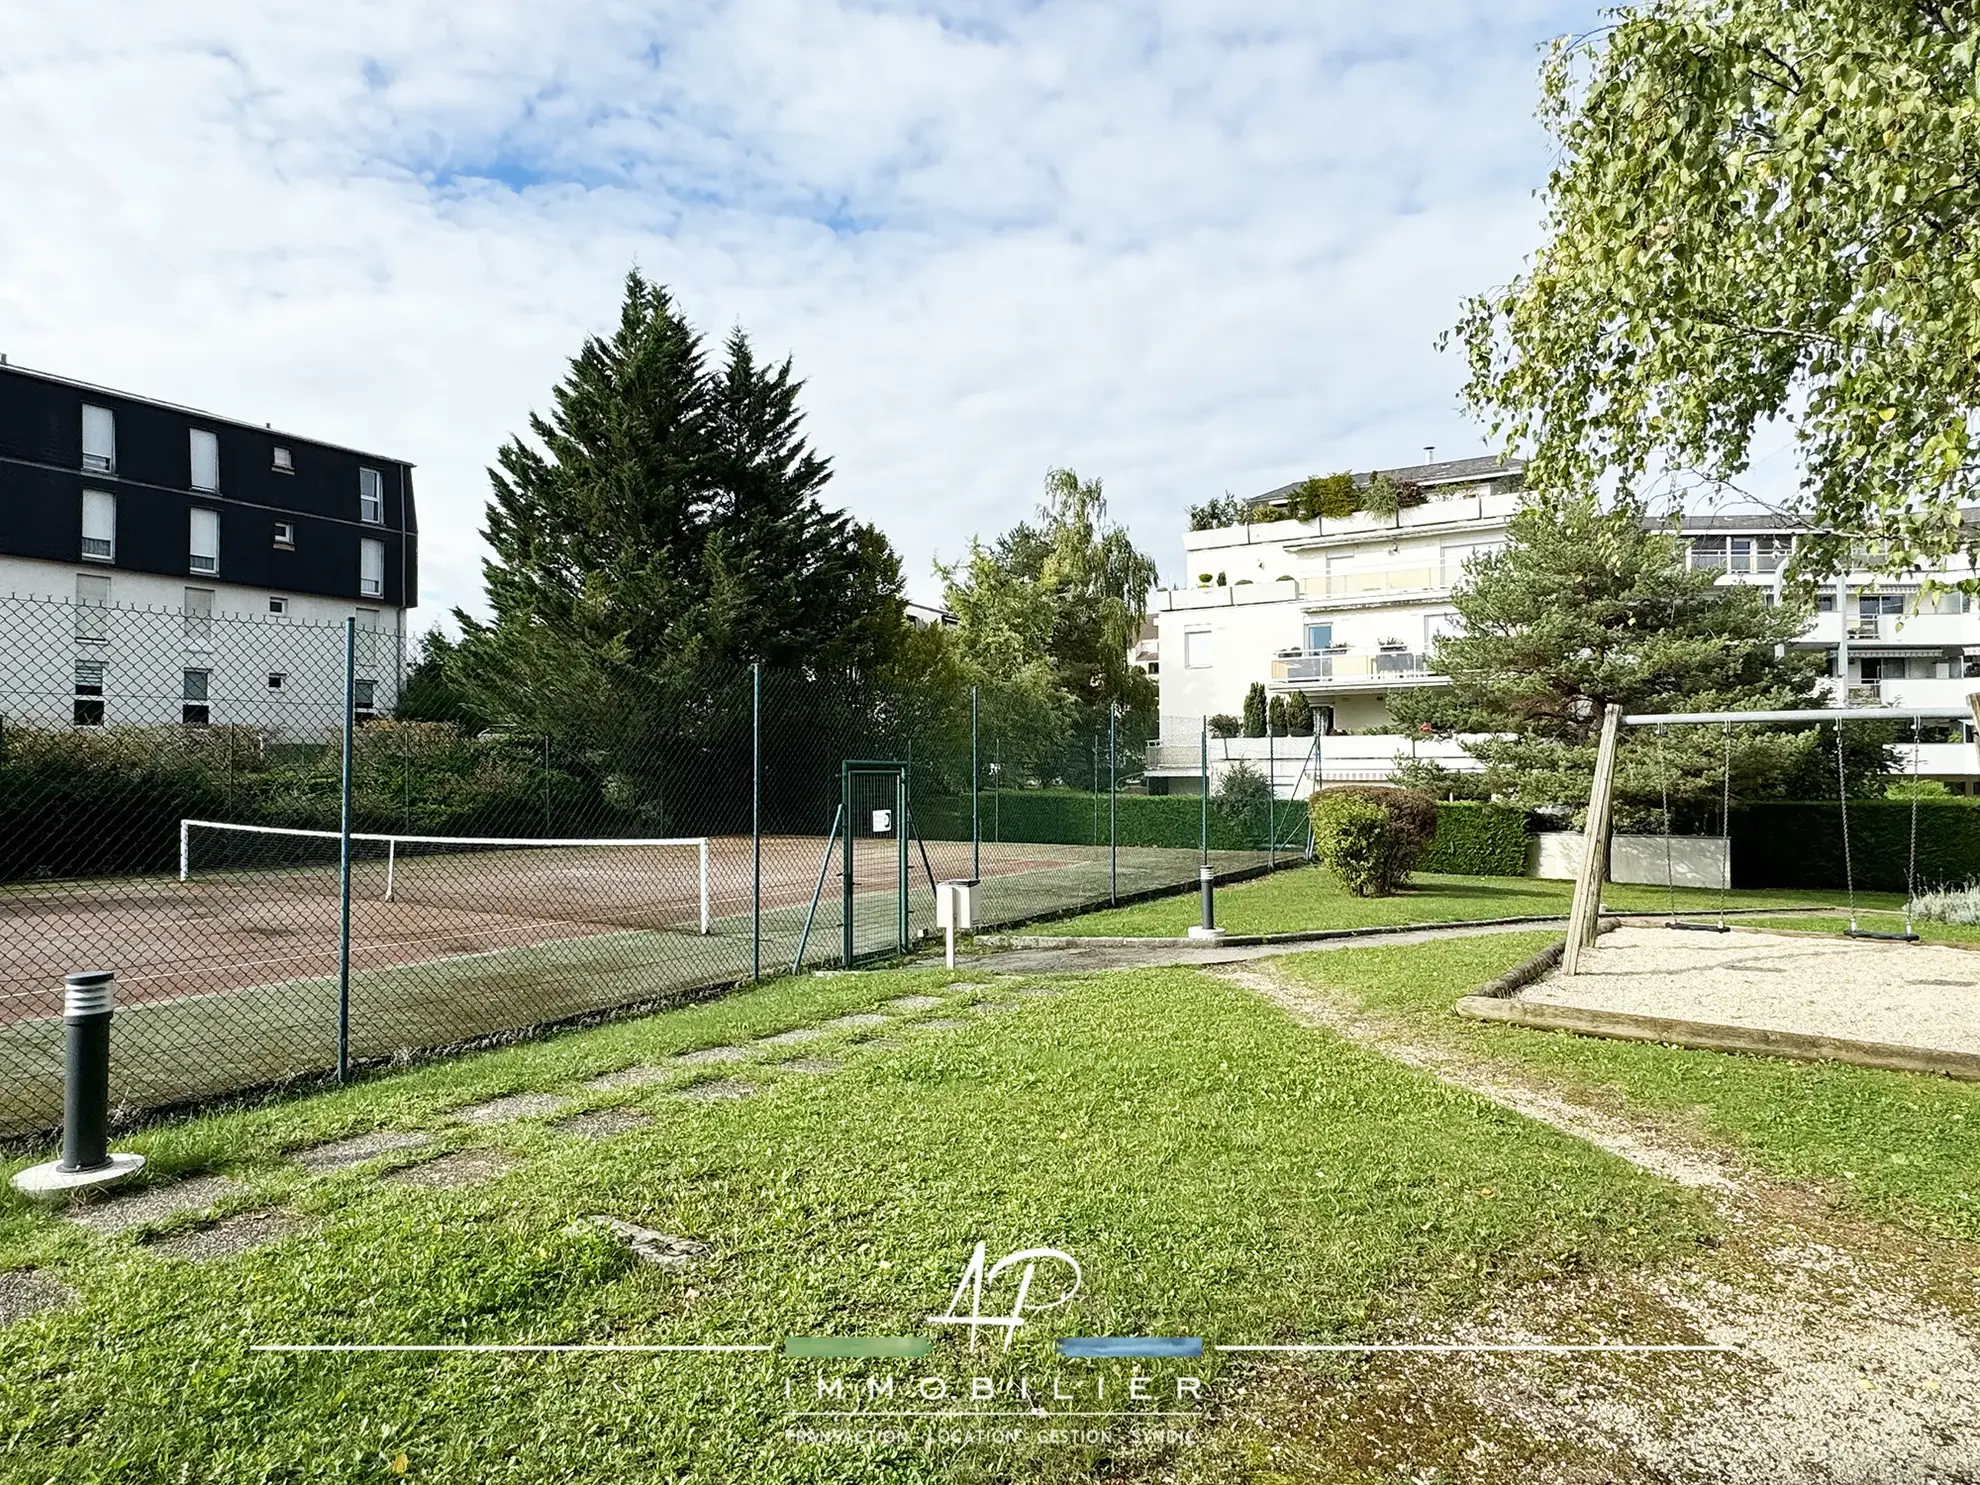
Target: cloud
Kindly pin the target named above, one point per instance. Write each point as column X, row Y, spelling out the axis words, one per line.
column 1184, row 246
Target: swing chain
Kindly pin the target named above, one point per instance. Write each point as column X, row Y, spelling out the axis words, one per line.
column 1842, row 799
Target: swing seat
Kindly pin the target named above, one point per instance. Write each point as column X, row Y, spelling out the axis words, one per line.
column 1889, row 938
column 1698, row 927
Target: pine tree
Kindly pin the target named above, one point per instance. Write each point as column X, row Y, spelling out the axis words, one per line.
column 663, row 522
column 1586, row 607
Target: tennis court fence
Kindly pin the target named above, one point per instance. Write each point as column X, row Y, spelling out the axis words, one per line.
column 297, row 866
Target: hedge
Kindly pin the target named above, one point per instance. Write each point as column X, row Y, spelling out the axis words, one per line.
column 1477, row 840
column 1800, row 845
column 1068, row 816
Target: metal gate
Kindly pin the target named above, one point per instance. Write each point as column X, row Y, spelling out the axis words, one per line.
column 875, row 847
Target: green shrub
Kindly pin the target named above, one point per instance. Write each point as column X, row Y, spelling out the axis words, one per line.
column 1299, row 715
column 1325, row 496
column 1226, row 725
column 1371, row 837
column 1254, row 710
column 1275, row 715
column 1241, row 794
column 1477, row 840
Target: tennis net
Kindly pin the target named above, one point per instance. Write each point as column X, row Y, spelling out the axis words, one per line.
column 629, row 882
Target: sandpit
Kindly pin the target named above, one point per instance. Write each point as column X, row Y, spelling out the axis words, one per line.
column 1791, row 995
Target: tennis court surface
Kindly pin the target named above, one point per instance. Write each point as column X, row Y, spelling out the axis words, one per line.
column 228, row 979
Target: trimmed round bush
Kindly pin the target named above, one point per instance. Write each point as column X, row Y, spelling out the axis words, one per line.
column 1370, row 837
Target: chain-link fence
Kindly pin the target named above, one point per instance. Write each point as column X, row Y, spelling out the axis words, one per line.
column 179, row 795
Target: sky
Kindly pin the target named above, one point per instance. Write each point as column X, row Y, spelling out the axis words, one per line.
column 1185, row 246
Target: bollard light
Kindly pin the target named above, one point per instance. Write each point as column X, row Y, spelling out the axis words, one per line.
column 89, row 999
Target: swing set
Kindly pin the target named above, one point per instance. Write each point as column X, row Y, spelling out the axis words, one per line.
column 1586, row 911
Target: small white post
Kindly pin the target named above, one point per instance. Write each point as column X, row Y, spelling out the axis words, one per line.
column 391, row 866
column 701, row 850
column 185, row 849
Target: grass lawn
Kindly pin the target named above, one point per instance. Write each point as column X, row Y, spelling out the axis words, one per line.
column 1900, row 1145
column 1307, row 897
column 1216, row 1170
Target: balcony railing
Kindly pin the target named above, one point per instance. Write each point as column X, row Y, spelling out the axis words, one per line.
column 1356, row 583
column 1368, row 666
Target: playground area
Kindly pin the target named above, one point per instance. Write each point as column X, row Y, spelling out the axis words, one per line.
column 1810, row 995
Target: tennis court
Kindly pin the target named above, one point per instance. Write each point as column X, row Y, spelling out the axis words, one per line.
column 229, row 979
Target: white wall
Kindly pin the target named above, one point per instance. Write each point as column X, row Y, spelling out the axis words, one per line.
column 148, row 644
column 1695, row 860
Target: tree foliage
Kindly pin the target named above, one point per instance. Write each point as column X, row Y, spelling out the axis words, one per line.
column 1586, row 607
column 662, row 521
column 1046, row 616
column 1759, row 211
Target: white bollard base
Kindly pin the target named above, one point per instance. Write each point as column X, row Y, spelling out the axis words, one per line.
column 49, row 1182
column 1204, row 935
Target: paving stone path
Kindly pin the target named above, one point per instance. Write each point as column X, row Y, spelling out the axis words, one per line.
column 122, row 1213
column 795, row 1037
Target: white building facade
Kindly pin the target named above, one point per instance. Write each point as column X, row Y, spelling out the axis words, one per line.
column 1346, row 612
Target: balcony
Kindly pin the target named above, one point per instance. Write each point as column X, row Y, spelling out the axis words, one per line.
column 1367, row 668
column 1375, row 582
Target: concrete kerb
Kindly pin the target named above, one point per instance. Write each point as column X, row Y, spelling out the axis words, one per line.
column 1323, row 935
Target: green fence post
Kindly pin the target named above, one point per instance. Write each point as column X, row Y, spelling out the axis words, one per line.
column 1271, row 794
column 756, row 820
column 1113, row 805
column 344, row 859
column 975, row 794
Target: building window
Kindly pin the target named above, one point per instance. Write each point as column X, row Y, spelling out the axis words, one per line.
column 277, row 604
column 277, row 679
column 285, row 535
column 1435, row 626
column 371, row 497
column 205, row 450
column 371, row 568
column 284, row 462
column 1196, row 649
column 99, row 440
column 92, row 598
column 1319, row 637
column 364, row 699
column 193, row 709
column 89, row 693
column 205, row 542
column 199, row 617
column 99, row 526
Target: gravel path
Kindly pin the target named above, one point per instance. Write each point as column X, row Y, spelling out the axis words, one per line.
column 1915, row 995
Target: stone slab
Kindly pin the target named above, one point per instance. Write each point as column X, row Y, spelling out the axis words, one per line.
column 914, row 1002
column 513, row 1106
column 721, row 1088
column 712, row 1054
column 342, row 1154
column 652, row 1245
column 122, row 1213
column 451, row 1172
column 858, row 1022
column 31, row 1291
column 229, row 1236
column 810, row 1065
column 602, row 1124
column 639, row 1075
column 796, row 1037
